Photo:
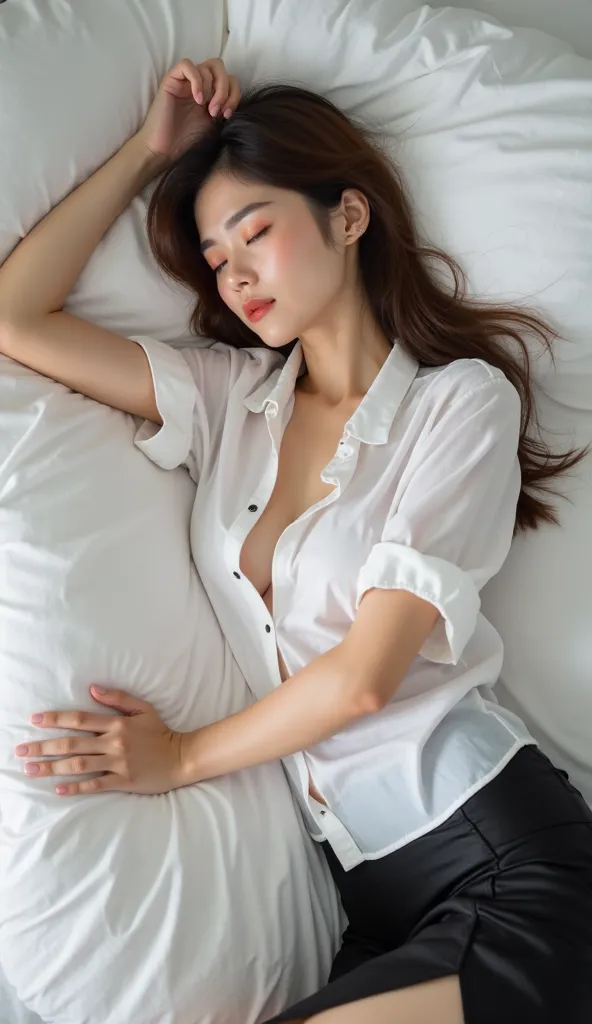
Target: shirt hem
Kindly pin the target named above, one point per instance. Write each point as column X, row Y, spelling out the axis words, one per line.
column 441, row 818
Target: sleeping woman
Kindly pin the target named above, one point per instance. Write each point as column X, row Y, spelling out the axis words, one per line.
column 363, row 442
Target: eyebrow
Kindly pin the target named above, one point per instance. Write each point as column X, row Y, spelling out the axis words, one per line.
column 234, row 220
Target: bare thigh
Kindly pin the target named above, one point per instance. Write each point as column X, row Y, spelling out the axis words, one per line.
column 420, row 1004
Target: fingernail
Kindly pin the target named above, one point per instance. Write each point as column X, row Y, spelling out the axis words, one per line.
column 61, row 790
column 36, row 719
column 215, row 110
column 21, row 750
column 199, row 97
column 228, row 112
column 99, row 689
column 31, row 769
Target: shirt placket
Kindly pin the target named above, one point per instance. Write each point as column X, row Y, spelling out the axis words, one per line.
column 325, row 824
column 241, row 527
column 322, row 823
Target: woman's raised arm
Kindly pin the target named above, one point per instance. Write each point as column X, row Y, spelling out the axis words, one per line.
column 41, row 271
column 37, row 277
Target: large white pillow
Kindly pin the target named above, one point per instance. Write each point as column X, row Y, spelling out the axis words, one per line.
column 76, row 80
column 207, row 905
column 492, row 128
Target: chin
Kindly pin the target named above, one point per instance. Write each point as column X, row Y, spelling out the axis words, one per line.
column 275, row 338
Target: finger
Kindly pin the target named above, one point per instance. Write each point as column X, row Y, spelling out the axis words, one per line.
column 100, row 784
column 66, row 746
column 120, row 700
column 85, row 721
column 80, row 765
column 182, row 75
column 219, row 100
column 186, row 72
column 207, row 79
column 234, row 96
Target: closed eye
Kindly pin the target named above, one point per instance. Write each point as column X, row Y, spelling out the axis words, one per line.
column 258, row 235
column 249, row 240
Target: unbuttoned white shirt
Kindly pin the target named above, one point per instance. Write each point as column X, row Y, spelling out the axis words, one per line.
column 425, row 481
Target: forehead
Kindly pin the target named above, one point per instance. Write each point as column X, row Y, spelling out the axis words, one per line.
column 221, row 195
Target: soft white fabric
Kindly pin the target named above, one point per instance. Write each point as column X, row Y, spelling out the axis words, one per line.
column 207, row 905
column 570, row 20
column 492, row 128
column 494, row 132
column 12, row 1011
column 180, row 909
column 77, row 78
column 425, row 484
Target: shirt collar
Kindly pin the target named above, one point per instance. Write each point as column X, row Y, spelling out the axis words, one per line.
column 372, row 420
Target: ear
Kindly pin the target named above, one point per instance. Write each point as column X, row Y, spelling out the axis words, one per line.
column 354, row 216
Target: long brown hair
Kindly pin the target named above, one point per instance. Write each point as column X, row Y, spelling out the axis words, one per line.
column 291, row 138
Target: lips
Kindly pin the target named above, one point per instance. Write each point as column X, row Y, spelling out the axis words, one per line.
column 255, row 309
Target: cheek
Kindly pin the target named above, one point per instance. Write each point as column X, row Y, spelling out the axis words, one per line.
column 280, row 257
column 295, row 256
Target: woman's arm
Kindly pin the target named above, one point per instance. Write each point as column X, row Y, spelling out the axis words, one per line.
column 352, row 680
column 416, row 594
column 37, row 277
column 139, row 754
column 39, row 274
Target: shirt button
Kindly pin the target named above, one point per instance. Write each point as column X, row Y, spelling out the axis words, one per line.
column 237, row 574
column 268, row 629
column 252, row 508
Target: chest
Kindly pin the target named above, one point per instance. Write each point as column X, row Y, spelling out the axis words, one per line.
column 308, row 445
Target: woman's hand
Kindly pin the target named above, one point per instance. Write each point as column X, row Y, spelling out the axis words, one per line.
column 189, row 97
column 136, row 753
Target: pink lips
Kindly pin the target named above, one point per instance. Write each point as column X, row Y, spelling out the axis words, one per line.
column 256, row 309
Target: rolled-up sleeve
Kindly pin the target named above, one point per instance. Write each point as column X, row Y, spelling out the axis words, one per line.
column 192, row 388
column 451, row 525
column 175, row 390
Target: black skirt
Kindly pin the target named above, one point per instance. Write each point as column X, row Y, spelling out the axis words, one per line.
column 500, row 894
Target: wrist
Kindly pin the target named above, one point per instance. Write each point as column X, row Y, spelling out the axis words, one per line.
column 190, row 769
column 148, row 164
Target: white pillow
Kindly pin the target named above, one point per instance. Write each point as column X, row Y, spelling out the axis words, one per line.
column 76, row 80
column 207, row 905
column 492, row 128
column 570, row 20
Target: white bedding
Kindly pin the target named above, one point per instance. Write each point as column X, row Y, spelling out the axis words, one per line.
column 492, row 128
column 209, row 904
column 570, row 20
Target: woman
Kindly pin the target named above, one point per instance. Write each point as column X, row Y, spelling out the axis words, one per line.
column 351, row 501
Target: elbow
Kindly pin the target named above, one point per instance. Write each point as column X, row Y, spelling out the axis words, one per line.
column 365, row 699
column 5, row 337
column 359, row 691
column 369, row 702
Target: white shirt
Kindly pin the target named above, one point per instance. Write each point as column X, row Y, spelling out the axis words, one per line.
column 426, row 480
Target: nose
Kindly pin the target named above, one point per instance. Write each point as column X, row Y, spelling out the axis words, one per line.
column 240, row 274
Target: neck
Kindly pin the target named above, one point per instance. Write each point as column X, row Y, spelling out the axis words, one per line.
column 345, row 353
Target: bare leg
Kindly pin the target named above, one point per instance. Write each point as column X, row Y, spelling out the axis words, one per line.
column 421, row 1004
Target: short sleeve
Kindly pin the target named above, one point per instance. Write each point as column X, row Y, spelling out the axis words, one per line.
column 452, row 525
column 192, row 388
